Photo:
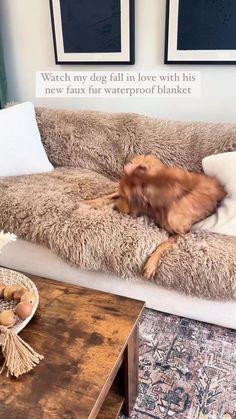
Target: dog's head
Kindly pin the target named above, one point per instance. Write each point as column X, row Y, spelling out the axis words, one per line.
column 141, row 163
column 148, row 187
column 134, row 184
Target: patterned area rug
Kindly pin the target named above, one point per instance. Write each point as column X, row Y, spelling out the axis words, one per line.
column 187, row 369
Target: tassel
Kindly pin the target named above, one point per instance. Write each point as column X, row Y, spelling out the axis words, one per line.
column 19, row 356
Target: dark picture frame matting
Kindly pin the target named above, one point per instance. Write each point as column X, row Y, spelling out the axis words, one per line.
column 93, row 32
column 200, row 32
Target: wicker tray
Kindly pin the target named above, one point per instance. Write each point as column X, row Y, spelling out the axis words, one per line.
column 19, row 356
column 9, row 277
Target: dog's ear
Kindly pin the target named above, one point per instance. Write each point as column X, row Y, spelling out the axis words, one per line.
column 133, row 168
column 140, row 169
column 129, row 168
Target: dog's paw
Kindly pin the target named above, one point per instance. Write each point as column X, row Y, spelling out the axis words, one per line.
column 150, row 269
column 95, row 203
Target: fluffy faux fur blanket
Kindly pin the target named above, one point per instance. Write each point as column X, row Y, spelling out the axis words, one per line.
column 89, row 150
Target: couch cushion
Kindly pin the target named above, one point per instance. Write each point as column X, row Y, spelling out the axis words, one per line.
column 48, row 209
column 223, row 221
column 21, row 149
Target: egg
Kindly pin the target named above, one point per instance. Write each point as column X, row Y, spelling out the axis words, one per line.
column 2, row 286
column 18, row 293
column 7, row 318
column 23, row 310
column 9, row 291
column 28, row 297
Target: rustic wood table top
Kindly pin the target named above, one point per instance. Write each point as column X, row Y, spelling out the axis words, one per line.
column 83, row 335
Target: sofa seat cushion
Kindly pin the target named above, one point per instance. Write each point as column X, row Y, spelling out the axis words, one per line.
column 48, row 209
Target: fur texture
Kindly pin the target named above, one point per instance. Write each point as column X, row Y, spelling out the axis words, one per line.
column 47, row 208
column 104, row 142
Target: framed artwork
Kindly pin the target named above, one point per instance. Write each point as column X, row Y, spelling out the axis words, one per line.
column 200, row 32
column 93, row 31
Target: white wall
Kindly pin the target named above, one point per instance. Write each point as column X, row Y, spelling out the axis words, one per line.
column 26, row 31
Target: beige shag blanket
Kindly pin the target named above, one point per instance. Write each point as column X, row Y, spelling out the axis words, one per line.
column 89, row 150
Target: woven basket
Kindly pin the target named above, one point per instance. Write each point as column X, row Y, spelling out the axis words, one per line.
column 19, row 356
column 9, row 277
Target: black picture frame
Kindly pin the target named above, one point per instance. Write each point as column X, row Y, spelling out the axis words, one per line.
column 228, row 57
column 130, row 44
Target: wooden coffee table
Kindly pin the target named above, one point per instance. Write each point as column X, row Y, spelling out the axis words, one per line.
column 90, row 343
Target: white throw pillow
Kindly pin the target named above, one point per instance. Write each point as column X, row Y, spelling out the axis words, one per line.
column 21, row 149
column 223, row 221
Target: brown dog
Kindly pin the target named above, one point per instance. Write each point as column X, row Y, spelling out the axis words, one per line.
column 174, row 198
